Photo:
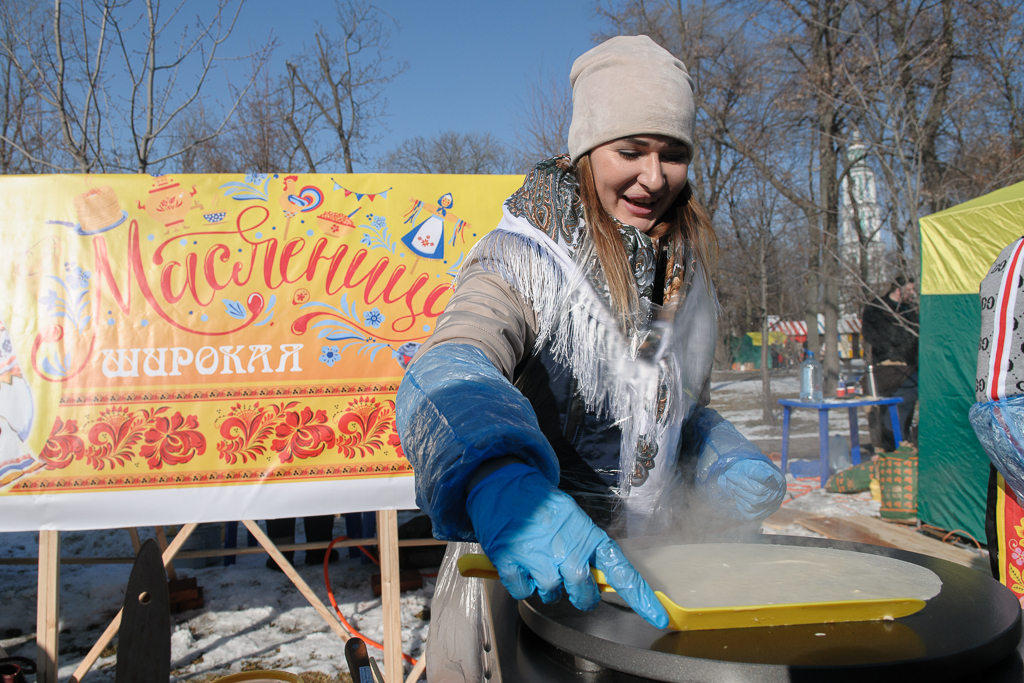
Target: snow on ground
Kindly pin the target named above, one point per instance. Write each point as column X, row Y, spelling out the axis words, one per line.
column 255, row 618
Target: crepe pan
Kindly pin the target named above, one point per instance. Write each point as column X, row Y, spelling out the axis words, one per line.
column 971, row 626
column 743, row 614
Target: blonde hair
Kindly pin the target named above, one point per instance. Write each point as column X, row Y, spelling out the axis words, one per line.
column 686, row 217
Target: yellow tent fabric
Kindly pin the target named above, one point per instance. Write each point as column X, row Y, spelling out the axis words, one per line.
column 773, row 338
column 959, row 244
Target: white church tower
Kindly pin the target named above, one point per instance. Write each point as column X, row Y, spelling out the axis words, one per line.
column 860, row 183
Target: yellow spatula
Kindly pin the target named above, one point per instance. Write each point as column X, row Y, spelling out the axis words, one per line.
column 745, row 616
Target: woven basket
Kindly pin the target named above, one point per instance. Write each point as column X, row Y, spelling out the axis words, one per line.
column 897, row 474
column 854, row 479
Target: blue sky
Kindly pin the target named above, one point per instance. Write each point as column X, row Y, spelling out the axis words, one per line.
column 470, row 63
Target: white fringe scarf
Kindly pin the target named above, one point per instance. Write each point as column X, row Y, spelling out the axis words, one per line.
column 618, row 376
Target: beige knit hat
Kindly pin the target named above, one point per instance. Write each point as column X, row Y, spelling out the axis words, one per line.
column 629, row 85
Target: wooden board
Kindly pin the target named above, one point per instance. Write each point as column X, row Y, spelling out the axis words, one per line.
column 874, row 531
column 48, row 607
column 144, row 636
column 784, row 517
column 387, row 535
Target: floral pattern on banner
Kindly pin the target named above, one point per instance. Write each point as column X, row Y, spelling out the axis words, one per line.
column 173, row 441
column 245, row 429
column 63, row 446
column 120, row 433
column 362, row 427
column 115, row 435
column 396, row 443
column 303, row 435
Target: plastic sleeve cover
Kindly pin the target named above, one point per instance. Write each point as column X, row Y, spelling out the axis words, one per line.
column 454, row 410
column 721, row 447
column 999, row 426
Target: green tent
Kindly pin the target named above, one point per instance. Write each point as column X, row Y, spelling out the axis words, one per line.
column 957, row 248
column 744, row 350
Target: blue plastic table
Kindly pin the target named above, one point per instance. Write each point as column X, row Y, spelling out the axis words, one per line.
column 823, row 407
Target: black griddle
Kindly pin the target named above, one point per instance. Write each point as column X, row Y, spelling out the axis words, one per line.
column 971, row 631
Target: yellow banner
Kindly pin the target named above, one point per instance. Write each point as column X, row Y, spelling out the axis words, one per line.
column 218, row 331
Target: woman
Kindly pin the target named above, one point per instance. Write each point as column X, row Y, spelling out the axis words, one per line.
column 564, row 387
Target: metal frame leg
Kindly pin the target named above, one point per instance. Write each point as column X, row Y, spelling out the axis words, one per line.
column 854, row 437
column 785, row 437
column 823, row 443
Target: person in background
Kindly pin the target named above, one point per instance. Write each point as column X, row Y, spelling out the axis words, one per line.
column 563, row 393
column 319, row 529
column 890, row 326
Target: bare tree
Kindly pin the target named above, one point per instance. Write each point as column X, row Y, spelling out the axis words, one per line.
column 450, row 152
column 70, row 73
column 806, row 89
column 342, row 81
column 989, row 125
column 26, row 133
column 899, row 98
column 155, row 98
column 65, row 73
column 758, row 222
column 933, row 86
column 261, row 141
column 203, row 151
column 301, row 116
column 542, row 125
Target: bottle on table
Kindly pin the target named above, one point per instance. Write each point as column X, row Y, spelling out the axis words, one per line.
column 841, row 387
column 810, row 379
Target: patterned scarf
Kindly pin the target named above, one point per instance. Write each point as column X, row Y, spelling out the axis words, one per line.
column 550, row 200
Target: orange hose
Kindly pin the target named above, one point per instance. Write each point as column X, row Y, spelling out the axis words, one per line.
column 961, row 531
column 334, row 603
column 950, row 533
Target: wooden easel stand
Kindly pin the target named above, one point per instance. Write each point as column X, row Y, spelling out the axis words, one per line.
column 47, row 626
column 290, row 572
column 390, row 594
column 161, row 540
column 48, row 607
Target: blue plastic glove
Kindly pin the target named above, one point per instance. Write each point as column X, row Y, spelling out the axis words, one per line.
column 538, row 538
column 756, row 487
column 736, row 478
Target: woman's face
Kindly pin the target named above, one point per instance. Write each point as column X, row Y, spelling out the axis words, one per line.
column 639, row 177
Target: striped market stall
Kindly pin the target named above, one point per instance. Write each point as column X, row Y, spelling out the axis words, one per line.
column 957, row 248
column 849, row 332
